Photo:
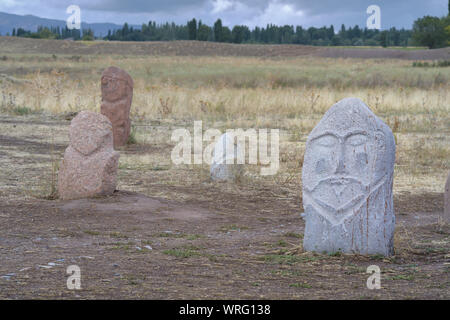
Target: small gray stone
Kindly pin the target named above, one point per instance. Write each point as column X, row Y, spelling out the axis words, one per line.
column 347, row 182
column 224, row 166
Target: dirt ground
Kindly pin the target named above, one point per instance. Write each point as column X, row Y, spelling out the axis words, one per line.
column 171, row 233
column 203, row 48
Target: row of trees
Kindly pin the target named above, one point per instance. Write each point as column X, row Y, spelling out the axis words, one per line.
column 433, row 32
column 273, row 34
column 54, row 33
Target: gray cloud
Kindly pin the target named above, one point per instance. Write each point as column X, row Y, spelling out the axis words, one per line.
column 140, row 6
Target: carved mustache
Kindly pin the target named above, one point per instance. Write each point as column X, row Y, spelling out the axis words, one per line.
column 341, row 180
column 338, row 180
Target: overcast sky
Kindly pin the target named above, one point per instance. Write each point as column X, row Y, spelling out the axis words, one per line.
column 398, row 13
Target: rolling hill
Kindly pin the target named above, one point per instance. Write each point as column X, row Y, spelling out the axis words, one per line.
column 30, row 22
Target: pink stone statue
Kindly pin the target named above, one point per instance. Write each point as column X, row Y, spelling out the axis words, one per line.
column 90, row 164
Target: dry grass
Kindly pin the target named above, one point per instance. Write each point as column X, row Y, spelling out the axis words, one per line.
column 241, row 92
column 228, row 87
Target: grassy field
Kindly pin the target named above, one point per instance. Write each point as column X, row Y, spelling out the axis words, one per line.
column 252, row 225
column 289, row 94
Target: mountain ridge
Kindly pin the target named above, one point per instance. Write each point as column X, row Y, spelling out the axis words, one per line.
column 9, row 21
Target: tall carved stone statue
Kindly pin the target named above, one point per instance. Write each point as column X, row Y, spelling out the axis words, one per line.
column 117, row 96
column 89, row 167
column 347, row 182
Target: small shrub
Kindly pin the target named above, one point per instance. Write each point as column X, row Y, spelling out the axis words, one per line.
column 180, row 253
column 132, row 138
column 22, row 111
column 165, row 108
column 435, row 64
column 443, row 63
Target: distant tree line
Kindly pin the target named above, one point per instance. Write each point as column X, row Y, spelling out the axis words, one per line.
column 432, row 32
column 54, row 33
column 271, row 34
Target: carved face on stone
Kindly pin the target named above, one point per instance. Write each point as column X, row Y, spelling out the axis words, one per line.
column 90, row 131
column 116, row 84
column 345, row 158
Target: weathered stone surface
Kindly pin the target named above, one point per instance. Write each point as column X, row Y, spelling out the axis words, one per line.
column 89, row 167
column 447, row 200
column 224, row 166
column 347, row 182
column 117, row 96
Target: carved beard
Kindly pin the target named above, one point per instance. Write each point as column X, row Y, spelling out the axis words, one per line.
column 338, row 198
column 111, row 99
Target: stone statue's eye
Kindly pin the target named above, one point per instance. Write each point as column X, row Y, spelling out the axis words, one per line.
column 356, row 140
column 326, row 141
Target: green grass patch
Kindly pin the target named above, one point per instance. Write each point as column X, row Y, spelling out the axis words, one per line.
column 435, row 64
column 300, row 285
column 92, row 233
column 159, row 168
column 118, row 235
column 286, row 259
column 181, row 253
column 408, row 277
column 132, row 137
column 194, row 236
column 22, row 111
column 335, row 254
column 293, row 235
column 179, row 235
column 169, row 235
column 122, row 246
column 376, row 257
column 232, row 227
column 282, row 243
column 188, row 251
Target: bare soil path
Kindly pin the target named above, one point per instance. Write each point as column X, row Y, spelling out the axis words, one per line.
column 163, row 236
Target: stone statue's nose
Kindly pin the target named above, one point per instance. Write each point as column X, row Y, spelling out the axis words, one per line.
column 340, row 168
